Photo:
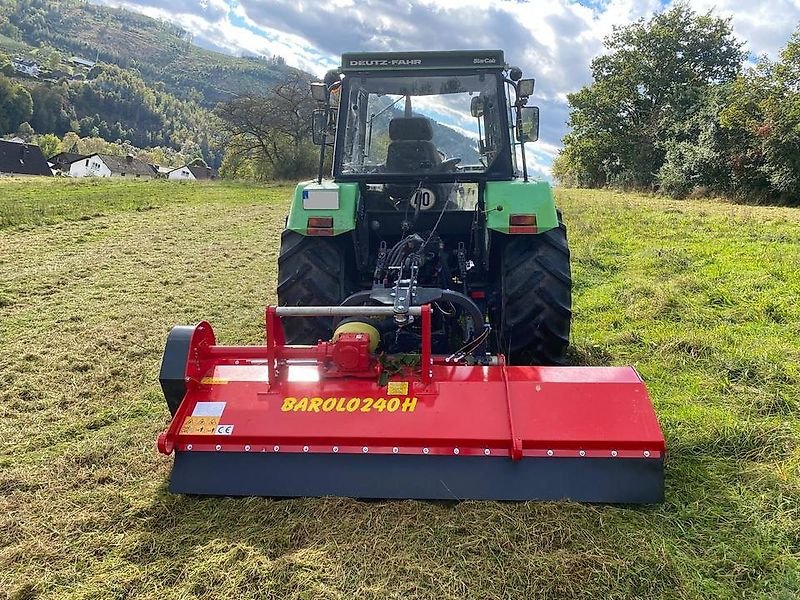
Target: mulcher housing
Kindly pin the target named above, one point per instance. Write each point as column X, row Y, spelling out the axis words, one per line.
column 277, row 420
column 424, row 313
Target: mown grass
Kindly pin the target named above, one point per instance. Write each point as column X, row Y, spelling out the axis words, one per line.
column 702, row 297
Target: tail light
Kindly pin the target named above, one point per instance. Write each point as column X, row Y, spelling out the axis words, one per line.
column 522, row 224
column 319, row 226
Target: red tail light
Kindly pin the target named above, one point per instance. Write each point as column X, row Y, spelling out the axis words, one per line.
column 319, row 226
column 522, row 224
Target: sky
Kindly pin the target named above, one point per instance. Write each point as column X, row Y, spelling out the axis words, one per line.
column 553, row 41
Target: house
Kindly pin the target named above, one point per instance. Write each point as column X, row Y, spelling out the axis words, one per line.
column 77, row 60
column 22, row 159
column 191, row 173
column 26, row 67
column 107, row 165
column 62, row 160
column 161, row 171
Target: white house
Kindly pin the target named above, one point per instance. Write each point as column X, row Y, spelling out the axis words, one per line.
column 191, row 173
column 107, row 165
column 91, row 166
column 29, row 68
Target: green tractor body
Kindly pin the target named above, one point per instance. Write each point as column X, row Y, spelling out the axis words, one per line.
column 430, row 203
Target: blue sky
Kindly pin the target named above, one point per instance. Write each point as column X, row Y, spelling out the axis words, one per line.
column 553, row 41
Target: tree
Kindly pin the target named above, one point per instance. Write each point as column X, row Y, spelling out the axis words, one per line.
column 652, row 78
column 25, row 131
column 52, row 112
column 16, row 105
column 69, row 143
column 271, row 132
column 49, row 143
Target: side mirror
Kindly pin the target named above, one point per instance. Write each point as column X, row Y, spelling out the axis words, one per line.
column 319, row 91
column 525, row 88
column 476, row 106
column 527, row 124
column 319, row 125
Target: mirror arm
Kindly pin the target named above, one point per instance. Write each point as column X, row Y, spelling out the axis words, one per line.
column 522, row 145
column 323, row 144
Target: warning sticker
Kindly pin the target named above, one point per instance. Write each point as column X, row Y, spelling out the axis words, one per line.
column 213, row 381
column 204, row 419
column 397, row 388
column 199, row 425
column 208, row 409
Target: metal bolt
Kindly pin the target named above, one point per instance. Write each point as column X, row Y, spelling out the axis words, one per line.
column 613, row 453
column 395, row 450
column 188, row 446
column 538, row 388
column 455, row 450
column 582, row 453
column 187, row 379
column 305, row 448
column 365, row 449
column 486, row 451
column 276, row 448
column 335, row 449
column 247, row 448
column 425, row 450
column 218, row 447
column 549, row 453
column 646, row 453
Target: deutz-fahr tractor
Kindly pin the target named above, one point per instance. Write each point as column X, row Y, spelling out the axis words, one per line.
column 409, row 285
column 430, row 203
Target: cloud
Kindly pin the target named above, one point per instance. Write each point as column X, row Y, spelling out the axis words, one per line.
column 553, row 41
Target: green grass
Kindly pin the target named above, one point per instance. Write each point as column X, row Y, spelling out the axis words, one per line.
column 701, row 297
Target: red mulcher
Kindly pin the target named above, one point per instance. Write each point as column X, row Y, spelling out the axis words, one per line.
column 278, row 420
column 424, row 316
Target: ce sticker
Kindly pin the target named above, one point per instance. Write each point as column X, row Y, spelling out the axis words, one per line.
column 223, row 430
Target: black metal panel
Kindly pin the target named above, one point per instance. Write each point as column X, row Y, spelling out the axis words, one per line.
column 173, row 365
column 448, row 59
column 606, row 480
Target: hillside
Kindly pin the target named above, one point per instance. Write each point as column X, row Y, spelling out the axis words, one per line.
column 701, row 297
column 150, row 85
column 161, row 53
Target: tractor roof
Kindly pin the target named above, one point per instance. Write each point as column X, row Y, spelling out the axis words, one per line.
column 403, row 61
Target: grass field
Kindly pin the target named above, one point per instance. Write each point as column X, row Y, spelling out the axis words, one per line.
column 701, row 297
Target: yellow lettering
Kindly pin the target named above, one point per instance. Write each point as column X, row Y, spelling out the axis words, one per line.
column 318, row 404
column 409, row 404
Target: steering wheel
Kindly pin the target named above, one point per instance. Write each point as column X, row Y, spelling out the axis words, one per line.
column 449, row 164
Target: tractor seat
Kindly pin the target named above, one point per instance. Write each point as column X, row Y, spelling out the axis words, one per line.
column 411, row 149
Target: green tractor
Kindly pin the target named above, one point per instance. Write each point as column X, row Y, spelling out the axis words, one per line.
column 430, row 203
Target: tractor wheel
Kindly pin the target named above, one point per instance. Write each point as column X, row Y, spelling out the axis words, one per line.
column 535, row 285
column 313, row 271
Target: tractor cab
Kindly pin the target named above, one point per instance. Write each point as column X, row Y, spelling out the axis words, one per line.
column 425, row 128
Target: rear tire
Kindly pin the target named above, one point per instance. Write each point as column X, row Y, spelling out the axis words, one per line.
column 313, row 271
column 535, row 289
